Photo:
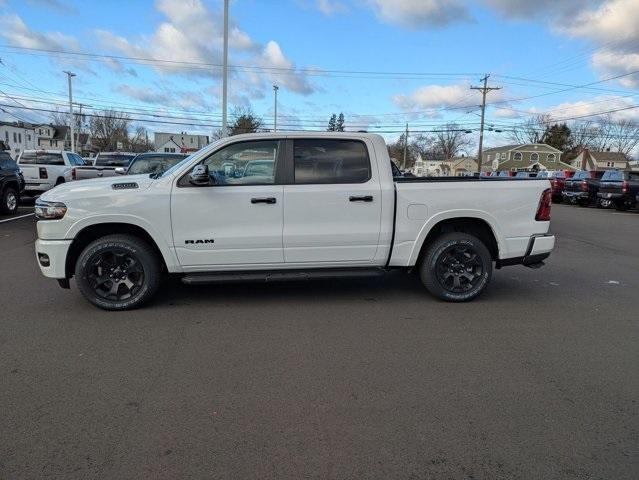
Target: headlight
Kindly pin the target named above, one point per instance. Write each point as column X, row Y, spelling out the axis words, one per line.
column 49, row 210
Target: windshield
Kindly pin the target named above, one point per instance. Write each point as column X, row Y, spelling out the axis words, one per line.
column 114, row 160
column 156, row 164
column 41, row 158
column 612, row 176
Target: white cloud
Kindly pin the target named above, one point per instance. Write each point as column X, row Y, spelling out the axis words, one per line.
column 193, row 33
column 420, row 13
column 17, row 33
column 595, row 106
column 548, row 9
column 435, row 97
column 611, row 63
column 329, row 7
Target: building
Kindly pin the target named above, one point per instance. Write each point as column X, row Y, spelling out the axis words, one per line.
column 529, row 156
column 456, row 166
column 53, row 137
column 589, row 160
column 17, row 137
column 179, row 142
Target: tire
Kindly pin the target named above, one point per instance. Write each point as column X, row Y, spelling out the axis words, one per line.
column 582, row 203
column 118, row 272
column 60, row 181
column 621, row 206
column 10, row 199
column 441, row 269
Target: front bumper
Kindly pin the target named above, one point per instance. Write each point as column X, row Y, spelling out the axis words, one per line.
column 539, row 249
column 51, row 256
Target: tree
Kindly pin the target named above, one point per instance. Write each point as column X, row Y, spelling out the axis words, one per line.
column 332, row 124
column 532, row 130
column 109, row 127
column 452, row 141
column 139, row 141
column 245, row 121
column 339, row 126
column 558, row 136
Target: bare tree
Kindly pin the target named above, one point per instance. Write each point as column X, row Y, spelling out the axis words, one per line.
column 452, row 141
column 108, row 128
column 532, row 130
column 625, row 136
column 139, row 141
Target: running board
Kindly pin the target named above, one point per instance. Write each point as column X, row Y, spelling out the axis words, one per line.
column 278, row 276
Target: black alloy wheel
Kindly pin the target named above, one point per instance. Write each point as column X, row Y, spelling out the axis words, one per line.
column 115, row 274
column 459, row 268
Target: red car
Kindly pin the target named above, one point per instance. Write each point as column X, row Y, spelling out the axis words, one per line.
column 558, row 182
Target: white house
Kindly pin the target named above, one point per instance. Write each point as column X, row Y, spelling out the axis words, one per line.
column 179, row 142
column 53, row 137
column 17, row 137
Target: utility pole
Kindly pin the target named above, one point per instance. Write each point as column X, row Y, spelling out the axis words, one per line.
column 405, row 147
column 70, row 75
column 225, row 67
column 484, row 90
column 275, row 89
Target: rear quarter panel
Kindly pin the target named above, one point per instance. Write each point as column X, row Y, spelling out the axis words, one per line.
column 508, row 207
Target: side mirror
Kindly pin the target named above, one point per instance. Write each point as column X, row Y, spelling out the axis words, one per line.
column 199, row 176
column 120, row 171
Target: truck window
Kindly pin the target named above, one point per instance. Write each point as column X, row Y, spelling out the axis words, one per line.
column 331, row 161
column 41, row 158
column 245, row 163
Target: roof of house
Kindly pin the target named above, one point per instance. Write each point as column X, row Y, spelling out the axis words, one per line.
column 60, row 132
column 507, row 148
column 508, row 164
column 609, row 156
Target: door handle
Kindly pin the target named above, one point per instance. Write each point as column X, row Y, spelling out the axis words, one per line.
column 363, row 198
column 269, row 200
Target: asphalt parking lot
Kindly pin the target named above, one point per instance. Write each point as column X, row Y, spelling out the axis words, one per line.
column 367, row 378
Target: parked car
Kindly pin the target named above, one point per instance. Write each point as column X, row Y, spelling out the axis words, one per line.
column 104, row 165
column 523, row 174
column 329, row 206
column 582, row 188
column 151, row 163
column 11, row 184
column 45, row 169
column 621, row 188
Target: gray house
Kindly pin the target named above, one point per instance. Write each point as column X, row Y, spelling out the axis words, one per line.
column 529, row 156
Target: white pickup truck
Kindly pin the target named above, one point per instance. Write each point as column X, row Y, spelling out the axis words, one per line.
column 45, row 169
column 276, row 206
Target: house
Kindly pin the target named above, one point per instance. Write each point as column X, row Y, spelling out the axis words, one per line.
column 456, row 166
column 529, row 156
column 53, row 137
column 589, row 160
column 179, row 142
column 17, row 137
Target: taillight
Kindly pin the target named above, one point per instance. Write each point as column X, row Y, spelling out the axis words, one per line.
column 543, row 212
column 584, row 186
column 73, row 174
column 624, row 187
column 43, row 172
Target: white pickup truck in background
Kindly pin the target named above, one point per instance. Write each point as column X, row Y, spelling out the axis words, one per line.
column 105, row 164
column 44, row 169
column 288, row 205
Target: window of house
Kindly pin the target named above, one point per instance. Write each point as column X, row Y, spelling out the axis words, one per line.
column 19, row 137
column 551, row 157
column 320, row 161
column 534, row 157
column 15, row 137
column 6, row 136
column 518, row 156
column 503, row 156
column 28, row 137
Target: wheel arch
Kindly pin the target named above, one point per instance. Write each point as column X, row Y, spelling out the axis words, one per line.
column 472, row 225
column 94, row 231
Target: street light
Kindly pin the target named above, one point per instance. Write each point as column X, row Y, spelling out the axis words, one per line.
column 70, row 75
column 275, row 89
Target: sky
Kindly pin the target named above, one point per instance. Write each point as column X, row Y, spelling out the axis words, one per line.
column 383, row 63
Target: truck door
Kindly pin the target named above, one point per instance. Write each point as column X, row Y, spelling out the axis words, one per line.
column 237, row 219
column 332, row 203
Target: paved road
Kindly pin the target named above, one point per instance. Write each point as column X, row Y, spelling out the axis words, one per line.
column 366, row 378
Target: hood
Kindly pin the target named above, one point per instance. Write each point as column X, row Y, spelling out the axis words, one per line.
column 97, row 187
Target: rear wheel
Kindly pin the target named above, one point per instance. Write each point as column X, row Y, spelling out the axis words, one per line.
column 582, row 203
column 621, row 206
column 9, row 201
column 118, row 272
column 456, row 267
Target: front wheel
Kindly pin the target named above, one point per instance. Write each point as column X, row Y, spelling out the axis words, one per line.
column 118, row 272
column 456, row 267
column 9, row 201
